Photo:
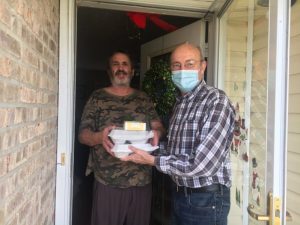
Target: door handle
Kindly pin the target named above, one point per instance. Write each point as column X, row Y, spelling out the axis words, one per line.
column 256, row 215
column 259, row 217
column 272, row 206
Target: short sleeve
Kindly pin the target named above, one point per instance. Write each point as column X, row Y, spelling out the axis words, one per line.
column 88, row 115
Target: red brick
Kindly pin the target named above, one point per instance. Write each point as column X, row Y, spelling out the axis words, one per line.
column 10, row 43
column 9, row 92
column 9, row 68
column 30, row 57
column 28, row 122
column 5, row 16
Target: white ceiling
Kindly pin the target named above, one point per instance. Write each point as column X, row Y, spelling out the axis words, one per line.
column 186, row 8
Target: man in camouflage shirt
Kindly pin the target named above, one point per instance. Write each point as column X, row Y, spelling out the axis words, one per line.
column 122, row 190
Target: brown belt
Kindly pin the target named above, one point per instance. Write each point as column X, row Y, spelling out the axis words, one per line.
column 209, row 188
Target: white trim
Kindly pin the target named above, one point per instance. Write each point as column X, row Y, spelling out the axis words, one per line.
column 212, row 51
column 215, row 51
column 247, row 116
column 278, row 100
column 222, row 49
column 65, row 139
column 141, row 8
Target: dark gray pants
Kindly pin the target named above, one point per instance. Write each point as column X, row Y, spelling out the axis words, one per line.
column 121, row 206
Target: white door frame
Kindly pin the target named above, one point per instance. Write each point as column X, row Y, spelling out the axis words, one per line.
column 277, row 131
column 66, row 106
column 66, row 118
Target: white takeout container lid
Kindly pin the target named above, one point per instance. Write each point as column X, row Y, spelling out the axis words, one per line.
column 130, row 135
column 122, row 150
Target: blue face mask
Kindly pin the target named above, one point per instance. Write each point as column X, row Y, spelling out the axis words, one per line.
column 185, row 80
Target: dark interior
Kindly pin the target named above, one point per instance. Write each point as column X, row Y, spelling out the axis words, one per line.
column 99, row 33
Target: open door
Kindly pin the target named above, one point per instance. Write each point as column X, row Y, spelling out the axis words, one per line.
column 193, row 33
column 253, row 72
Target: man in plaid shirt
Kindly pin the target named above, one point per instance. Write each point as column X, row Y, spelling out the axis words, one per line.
column 199, row 137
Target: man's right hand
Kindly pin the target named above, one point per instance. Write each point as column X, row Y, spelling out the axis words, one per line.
column 90, row 138
column 106, row 142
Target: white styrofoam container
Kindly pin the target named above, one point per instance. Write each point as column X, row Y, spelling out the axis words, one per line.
column 131, row 136
column 122, row 150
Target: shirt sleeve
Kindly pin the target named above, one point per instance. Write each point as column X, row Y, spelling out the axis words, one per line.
column 216, row 137
column 88, row 115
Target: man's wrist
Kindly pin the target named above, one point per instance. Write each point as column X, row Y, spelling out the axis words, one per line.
column 151, row 160
column 98, row 137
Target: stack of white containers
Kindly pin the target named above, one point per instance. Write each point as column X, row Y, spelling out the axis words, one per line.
column 123, row 138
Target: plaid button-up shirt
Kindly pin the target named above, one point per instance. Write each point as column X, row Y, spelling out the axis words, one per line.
column 200, row 134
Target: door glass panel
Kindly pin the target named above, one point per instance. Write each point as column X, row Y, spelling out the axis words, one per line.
column 293, row 159
column 243, row 76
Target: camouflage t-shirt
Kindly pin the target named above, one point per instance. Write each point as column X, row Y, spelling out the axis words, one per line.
column 103, row 109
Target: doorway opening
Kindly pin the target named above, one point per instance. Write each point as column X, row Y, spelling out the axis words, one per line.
column 99, row 33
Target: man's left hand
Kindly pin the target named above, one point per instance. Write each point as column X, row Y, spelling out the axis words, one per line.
column 139, row 156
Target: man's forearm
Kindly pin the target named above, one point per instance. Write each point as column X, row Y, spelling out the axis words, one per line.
column 89, row 137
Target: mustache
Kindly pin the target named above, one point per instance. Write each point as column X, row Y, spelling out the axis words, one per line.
column 121, row 72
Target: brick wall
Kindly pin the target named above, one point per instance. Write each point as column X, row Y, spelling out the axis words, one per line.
column 28, row 110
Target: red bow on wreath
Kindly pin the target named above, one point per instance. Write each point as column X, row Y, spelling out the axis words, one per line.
column 139, row 19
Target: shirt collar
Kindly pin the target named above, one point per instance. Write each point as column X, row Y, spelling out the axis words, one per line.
column 191, row 94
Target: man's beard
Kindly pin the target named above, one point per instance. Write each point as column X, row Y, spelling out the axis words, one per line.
column 121, row 82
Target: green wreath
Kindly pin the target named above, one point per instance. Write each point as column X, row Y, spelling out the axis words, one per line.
column 160, row 88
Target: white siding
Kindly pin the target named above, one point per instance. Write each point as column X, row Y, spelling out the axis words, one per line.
column 293, row 175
